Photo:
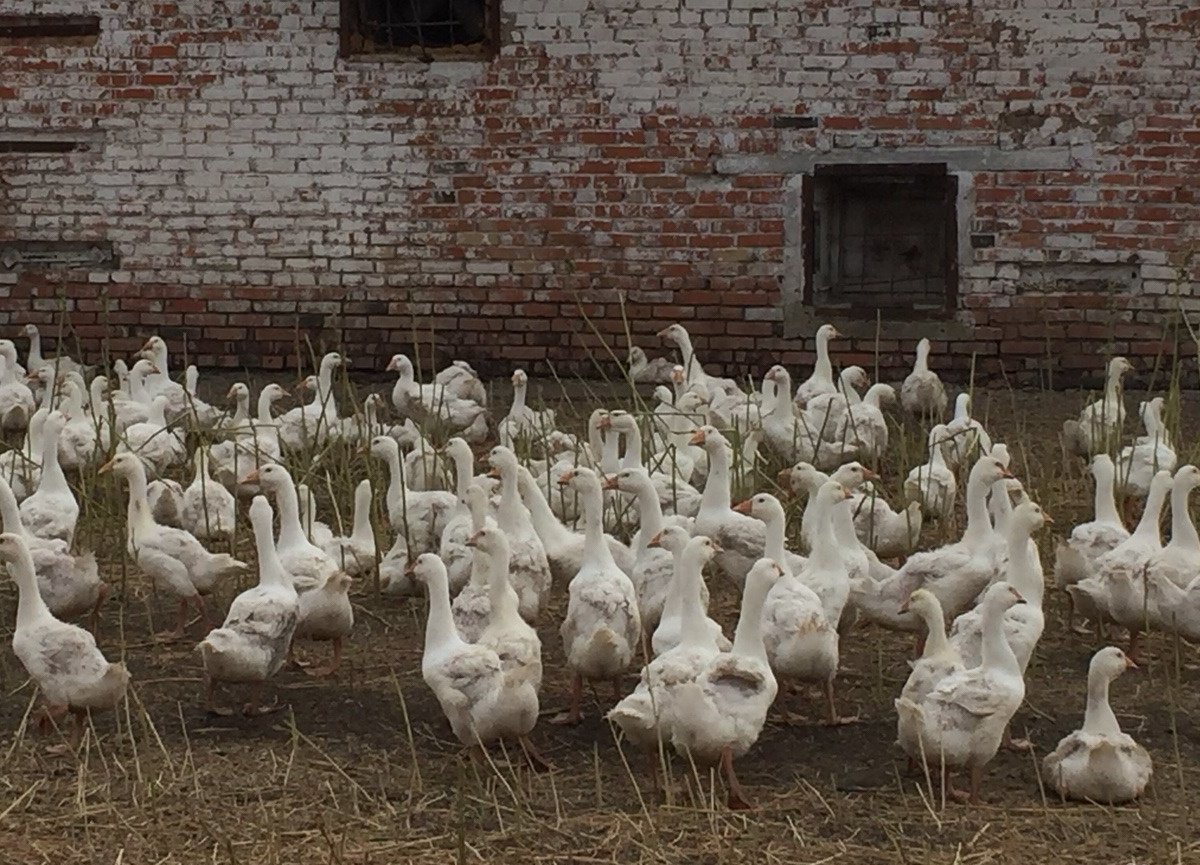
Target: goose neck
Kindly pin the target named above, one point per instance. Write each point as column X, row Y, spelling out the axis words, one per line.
column 439, row 628
column 936, row 641
column 979, row 523
column 823, row 368
column 31, row 609
column 1106, row 501
column 633, row 447
column 270, row 568
column 520, row 392
column 1148, row 530
column 717, row 493
column 1098, row 717
column 1183, row 530
column 53, row 479
column 595, row 547
column 362, row 531
column 921, row 365
column 463, row 473
column 773, row 526
column 291, row 532
column 10, row 513
column 685, row 585
column 996, row 652
column 546, row 524
column 510, row 499
column 504, row 605
column 650, row 510
column 264, row 408
column 35, row 349
column 748, row 638
column 1024, row 567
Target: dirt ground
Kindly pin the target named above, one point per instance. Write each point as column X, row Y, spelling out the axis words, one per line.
column 362, row 768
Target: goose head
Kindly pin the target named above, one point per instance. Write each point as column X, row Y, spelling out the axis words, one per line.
column 1108, row 663
column 1030, row 516
column 853, row 475
column 763, row 507
column 124, row 465
column 401, row 364
column 924, row 604
column 672, row 539
column 675, row 333
column 502, row 460
column 427, row 568
column 238, row 392
column 1001, row 596
column 627, row 480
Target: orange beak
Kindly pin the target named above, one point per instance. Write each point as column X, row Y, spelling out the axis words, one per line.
column 698, row 438
column 1129, row 664
column 251, row 478
column 656, row 541
column 1049, row 519
column 474, row 539
column 494, row 473
column 610, row 483
column 869, row 475
column 1007, row 474
column 784, row 478
column 106, row 468
column 565, row 478
column 662, row 333
column 605, row 422
column 743, row 507
column 904, row 608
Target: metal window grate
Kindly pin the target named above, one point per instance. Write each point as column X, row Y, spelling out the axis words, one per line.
column 421, row 25
column 882, row 238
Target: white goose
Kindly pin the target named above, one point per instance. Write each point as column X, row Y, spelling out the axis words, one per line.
column 923, row 393
column 51, row 511
column 1023, row 624
column 529, row 572
column 564, row 548
column 60, row 364
column 420, row 516
column 668, row 468
column 70, row 672
column 209, row 510
column 16, row 399
column 821, row 380
column 1075, row 557
column 252, row 643
column 506, row 633
column 70, row 584
column 789, row 434
column 961, row 722
column 602, row 629
column 311, row 424
column 1153, row 452
column 653, row 568
column 482, row 701
column 308, row 564
column 355, row 552
column 522, row 420
column 153, row 441
column 933, row 484
column 938, row 660
column 254, row 443
column 643, row 370
column 1116, row 590
column 740, row 537
column 165, row 498
column 177, row 563
column 669, row 631
column 1099, row 425
column 1099, row 763
column 718, row 717
column 693, row 370
column 472, row 606
column 465, row 416
column 800, row 637
column 955, row 573
column 965, row 437
column 453, row 549
column 644, row 716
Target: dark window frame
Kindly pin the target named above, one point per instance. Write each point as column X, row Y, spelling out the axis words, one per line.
column 937, row 172
column 353, row 44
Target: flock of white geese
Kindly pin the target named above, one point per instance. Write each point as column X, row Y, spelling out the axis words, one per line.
column 552, row 508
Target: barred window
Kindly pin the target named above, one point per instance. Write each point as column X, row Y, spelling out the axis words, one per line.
column 427, row 29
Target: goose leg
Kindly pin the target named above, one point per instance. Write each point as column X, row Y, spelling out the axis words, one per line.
column 737, row 800
column 101, row 597
column 836, row 720
column 255, row 708
column 952, row 792
column 574, row 713
column 335, row 662
column 976, row 783
column 210, row 700
column 180, row 625
column 536, row 761
column 202, row 609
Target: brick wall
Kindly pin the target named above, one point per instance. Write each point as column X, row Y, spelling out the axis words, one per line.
column 256, row 186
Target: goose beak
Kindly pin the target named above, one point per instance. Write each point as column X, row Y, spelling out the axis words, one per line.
column 1129, row 664
column 392, row 366
column 495, row 473
column 697, row 438
column 717, row 548
column 869, row 475
column 251, row 478
column 565, row 478
column 610, row 483
column 1049, row 519
column 743, row 507
column 662, row 334
column 904, row 608
column 605, row 422
column 1007, row 474
column 656, row 541
column 410, row 570
column 474, row 539
column 784, row 478
column 106, row 468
